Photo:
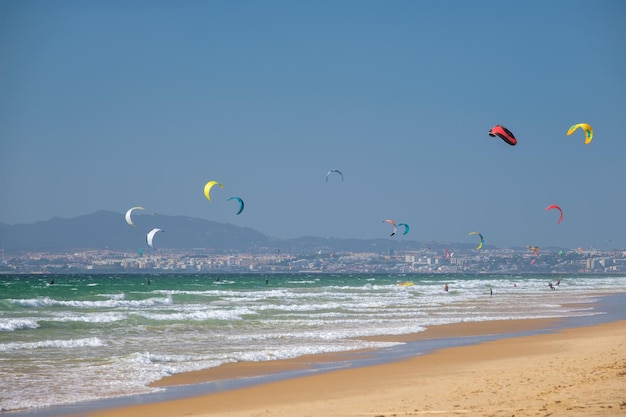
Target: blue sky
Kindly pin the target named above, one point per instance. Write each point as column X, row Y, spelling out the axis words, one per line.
column 112, row 104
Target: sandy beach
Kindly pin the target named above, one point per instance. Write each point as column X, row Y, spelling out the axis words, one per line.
column 573, row 372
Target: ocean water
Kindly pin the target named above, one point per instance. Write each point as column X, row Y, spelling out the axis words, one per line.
column 89, row 337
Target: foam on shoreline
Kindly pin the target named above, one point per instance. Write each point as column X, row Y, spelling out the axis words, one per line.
column 241, row 375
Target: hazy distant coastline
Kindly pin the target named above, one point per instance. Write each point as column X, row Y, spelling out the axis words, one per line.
column 102, row 243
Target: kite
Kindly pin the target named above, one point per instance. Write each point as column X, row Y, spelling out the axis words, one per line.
column 482, row 240
column 504, row 134
column 334, row 170
column 150, row 237
column 208, row 186
column 129, row 212
column 240, row 203
column 584, row 126
column 533, row 249
column 406, row 228
column 395, row 227
column 559, row 209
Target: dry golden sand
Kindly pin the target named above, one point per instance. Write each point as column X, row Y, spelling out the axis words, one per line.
column 575, row 372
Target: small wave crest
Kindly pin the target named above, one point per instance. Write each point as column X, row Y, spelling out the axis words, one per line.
column 199, row 315
column 10, row 325
column 111, row 303
column 54, row 344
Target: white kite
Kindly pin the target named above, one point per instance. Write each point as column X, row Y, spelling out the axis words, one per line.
column 129, row 212
column 150, row 237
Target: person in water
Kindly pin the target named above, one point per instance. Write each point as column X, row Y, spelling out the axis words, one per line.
column 445, row 287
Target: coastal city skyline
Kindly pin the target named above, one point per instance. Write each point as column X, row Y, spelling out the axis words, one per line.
column 115, row 104
column 104, row 244
column 321, row 261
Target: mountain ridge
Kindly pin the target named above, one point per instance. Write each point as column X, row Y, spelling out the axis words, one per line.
column 106, row 229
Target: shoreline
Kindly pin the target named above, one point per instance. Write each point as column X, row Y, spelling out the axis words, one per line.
column 231, row 380
column 243, row 370
column 453, row 332
column 575, row 372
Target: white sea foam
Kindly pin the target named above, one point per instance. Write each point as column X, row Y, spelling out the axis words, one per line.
column 198, row 315
column 124, row 337
column 12, row 324
column 106, row 317
column 49, row 302
column 53, row 344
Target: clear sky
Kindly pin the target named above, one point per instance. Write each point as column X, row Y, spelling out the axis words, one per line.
column 113, row 104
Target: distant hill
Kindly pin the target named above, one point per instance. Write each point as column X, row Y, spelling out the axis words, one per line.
column 108, row 230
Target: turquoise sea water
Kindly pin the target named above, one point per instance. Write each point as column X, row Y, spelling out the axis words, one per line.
column 86, row 337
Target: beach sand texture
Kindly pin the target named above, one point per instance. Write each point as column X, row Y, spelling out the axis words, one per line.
column 574, row 372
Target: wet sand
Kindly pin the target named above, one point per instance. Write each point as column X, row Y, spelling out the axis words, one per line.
column 253, row 369
column 574, row 372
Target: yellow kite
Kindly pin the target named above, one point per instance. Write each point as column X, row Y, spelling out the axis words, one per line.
column 482, row 239
column 208, row 186
column 584, row 126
